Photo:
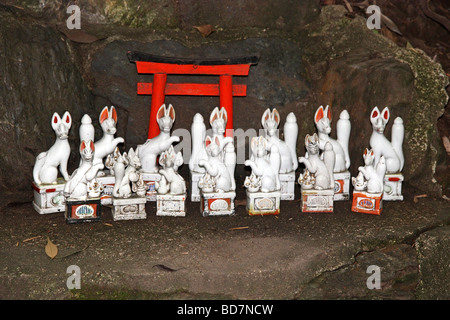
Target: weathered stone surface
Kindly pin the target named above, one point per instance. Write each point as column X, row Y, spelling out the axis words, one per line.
column 38, row 78
column 433, row 254
column 351, row 67
column 163, row 14
column 399, row 274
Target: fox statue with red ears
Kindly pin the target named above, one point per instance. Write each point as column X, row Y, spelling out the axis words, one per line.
column 76, row 186
column 45, row 169
column 107, row 144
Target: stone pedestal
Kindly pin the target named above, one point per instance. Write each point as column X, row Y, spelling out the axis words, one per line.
column 341, row 186
column 132, row 208
column 371, row 203
column 49, row 198
column 171, row 205
column 83, row 210
column 217, row 204
column 287, row 185
column 263, row 203
column 317, row 200
column 195, row 191
column 393, row 187
column 150, row 179
column 108, row 183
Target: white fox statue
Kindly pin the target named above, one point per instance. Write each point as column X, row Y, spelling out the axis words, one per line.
column 215, row 166
column 320, row 169
column 391, row 150
column 171, row 181
column 287, row 148
column 152, row 148
column 107, row 144
column 45, row 170
column 265, row 167
column 126, row 171
column 77, row 186
column 322, row 119
column 218, row 121
column 374, row 175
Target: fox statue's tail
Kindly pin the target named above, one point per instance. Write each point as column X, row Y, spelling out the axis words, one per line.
column 40, row 160
column 343, row 128
column 397, row 135
column 290, row 130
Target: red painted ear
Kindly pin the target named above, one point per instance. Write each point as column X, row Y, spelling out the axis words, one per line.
column 224, row 114
column 67, row 119
column 82, row 146
column 55, row 119
column 217, row 141
column 371, row 152
column 92, row 145
column 161, row 112
column 104, row 115
column 207, row 141
column 114, row 114
column 329, row 113
column 171, row 112
column 319, row 114
column 365, row 152
column 374, row 113
column 276, row 116
column 385, row 114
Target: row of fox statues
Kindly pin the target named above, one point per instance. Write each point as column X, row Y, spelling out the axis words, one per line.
column 126, row 181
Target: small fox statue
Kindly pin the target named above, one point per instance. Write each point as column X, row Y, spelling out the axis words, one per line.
column 391, row 150
column 152, row 148
column 374, row 175
column 287, row 148
column 322, row 119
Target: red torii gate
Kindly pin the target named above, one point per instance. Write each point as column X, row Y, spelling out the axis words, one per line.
column 160, row 67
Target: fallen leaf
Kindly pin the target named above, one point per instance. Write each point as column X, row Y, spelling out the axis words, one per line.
column 72, row 253
column 51, row 249
column 390, row 24
column 107, row 224
column 205, row 29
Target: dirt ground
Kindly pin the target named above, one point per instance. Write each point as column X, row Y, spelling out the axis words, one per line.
column 196, row 257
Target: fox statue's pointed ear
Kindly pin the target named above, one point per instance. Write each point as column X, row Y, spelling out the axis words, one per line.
column 319, row 114
column 276, row 116
column 92, row 145
column 171, row 112
column 56, row 120
column 217, row 141
column 82, row 146
column 161, row 112
column 214, row 115
column 208, row 141
column 265, row 117
column 385, row 113
column 67, row 118
column 327, row 112
column 223, row 114
column 375, row 113
column 103, row 115
column 113, row 113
